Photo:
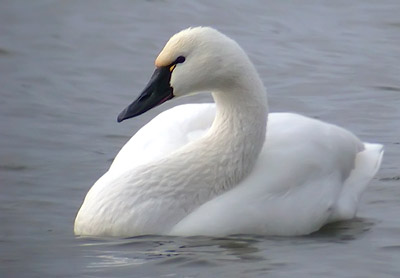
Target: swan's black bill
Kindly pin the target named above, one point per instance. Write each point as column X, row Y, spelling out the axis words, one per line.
column 157, row 91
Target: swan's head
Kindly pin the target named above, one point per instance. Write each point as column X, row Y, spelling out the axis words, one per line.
column 193, row 60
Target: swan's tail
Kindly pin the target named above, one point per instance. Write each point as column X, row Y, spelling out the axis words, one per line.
column 366, row 166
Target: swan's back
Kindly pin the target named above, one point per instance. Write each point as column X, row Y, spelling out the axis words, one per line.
column 309, row 173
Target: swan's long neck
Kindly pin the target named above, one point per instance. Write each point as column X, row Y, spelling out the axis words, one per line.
column 238, row 132
column 230, row 149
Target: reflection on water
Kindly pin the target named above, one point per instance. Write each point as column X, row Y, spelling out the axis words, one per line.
column 182, row 252
column 211, row 252
column 345, row 230
column 67, row 68
column 113, row 259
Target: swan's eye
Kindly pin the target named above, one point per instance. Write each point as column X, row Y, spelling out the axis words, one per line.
column 180, row 60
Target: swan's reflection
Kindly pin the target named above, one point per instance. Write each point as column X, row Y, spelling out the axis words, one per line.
column 209, row 251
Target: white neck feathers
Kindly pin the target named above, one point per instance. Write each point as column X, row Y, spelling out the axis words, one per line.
column 228, row 152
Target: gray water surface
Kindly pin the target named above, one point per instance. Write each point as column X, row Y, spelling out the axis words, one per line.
column 67, row 68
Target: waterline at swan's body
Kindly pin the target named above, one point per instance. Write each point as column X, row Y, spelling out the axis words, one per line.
column 219, row 169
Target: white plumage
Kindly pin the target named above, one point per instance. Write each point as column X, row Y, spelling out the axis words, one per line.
column 220, row 169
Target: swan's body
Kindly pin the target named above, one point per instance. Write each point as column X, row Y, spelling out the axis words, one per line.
column 210, row 169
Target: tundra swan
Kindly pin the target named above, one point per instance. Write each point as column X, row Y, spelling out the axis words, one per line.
column 220, row 169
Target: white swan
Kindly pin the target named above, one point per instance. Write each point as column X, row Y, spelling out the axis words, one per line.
column 186, row 173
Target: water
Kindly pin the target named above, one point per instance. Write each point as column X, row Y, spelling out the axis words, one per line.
column 67, row 68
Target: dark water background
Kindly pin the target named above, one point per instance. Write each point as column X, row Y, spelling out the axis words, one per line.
column 67, row 68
